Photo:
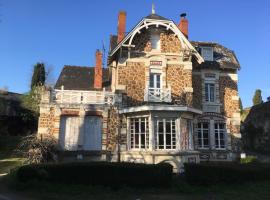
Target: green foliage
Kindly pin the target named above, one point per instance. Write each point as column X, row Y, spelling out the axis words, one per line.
column 31, row 100
column 39, row 75
column 99, row 173
column 240, row 106
column 257, row 98
column 249, row 159
column 251, row 135
column 211, row 174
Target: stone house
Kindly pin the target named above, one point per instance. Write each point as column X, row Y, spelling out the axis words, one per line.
column 161, row 98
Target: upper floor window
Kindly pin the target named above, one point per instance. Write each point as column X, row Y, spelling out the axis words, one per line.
column 155, row 41
column 209, row 92
column 203, row 135
column 219, row 135
column 155, row 80
column 207, row 53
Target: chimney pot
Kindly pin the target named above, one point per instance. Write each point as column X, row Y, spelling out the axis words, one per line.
column 98, row 70
column 121, row 25
column 183, row 24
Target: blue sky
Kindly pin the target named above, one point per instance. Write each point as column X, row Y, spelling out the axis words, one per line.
column 60, row 32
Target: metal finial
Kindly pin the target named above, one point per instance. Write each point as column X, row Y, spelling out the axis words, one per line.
column 153, row 8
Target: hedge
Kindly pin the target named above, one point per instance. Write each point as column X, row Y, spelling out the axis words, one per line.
column 99, row 173
column 210, row 174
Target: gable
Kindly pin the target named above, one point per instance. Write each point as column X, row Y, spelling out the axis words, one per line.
column 157, row 22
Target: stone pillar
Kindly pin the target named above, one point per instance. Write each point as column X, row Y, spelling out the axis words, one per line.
column 212, row 134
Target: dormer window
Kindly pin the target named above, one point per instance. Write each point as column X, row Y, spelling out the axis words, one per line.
column 155, row 41
column 207, row 53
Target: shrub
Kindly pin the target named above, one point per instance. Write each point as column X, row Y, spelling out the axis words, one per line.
column 248, row 159
column 38, row 150
column 210, row 174
column 99, row 173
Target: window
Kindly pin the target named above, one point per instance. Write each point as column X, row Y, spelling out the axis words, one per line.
column 155, row 41
column 165, row 134
column 219, row 135
column 207, row 53
column 209, row 92
column 203, row 135
column 155, row 80
column 139, row 133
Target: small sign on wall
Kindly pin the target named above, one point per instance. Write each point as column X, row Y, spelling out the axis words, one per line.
column 157, row 63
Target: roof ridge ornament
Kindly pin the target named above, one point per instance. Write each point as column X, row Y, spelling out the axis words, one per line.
column 153, row 8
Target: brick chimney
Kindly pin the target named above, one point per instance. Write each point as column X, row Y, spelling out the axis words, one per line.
column 183, row 24
column 98, row 71
column 121, row 29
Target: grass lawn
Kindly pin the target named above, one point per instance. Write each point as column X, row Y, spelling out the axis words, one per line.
column 8, row 158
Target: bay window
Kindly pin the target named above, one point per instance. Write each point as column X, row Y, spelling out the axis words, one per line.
column 203, row 135
column 165, row 134
column 139, row 133
column 219, row 135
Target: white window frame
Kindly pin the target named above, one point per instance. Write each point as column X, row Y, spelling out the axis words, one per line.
column 164, row 133
column 200, row 131
column 208, row 94
column 155, row 41
column 218, row 132
column 132, row 134
column 207, row 53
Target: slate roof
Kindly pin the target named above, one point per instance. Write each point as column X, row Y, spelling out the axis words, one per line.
column 155, row 16
column 223, row 57
column 80, row 78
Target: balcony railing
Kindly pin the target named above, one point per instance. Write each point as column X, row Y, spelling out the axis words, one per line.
column 84, row 97
column 157, row 95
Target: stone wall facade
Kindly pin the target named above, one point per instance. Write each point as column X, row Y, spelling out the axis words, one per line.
column 197, row 91
column 179, row 79
column 133, row 77
column 228, row 90
column 169, row 43
column 49, row 122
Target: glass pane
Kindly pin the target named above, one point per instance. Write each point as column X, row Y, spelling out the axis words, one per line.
column 160, row 127
column 205, row 125
column 143, row 126
column 205, row 141
column 212, row 92
column 151, row 80
column 161, row 139
column 136, row 140
column 137, row 126
column 168, row 139
column 142, row 141
column 168, row 127
column 158, row 80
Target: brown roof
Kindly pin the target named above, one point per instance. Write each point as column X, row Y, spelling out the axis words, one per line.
column 80, row 78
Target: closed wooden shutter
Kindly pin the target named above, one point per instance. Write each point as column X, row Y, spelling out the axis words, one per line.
column 80, row 133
